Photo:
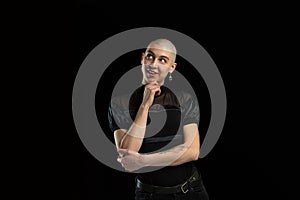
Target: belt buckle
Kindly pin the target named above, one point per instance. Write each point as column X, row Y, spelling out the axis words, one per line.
column 183, row 189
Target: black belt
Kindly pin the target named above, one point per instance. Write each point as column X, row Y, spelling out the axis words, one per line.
column 184, row 187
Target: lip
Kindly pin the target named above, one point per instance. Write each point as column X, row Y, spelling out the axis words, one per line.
column 151, row 72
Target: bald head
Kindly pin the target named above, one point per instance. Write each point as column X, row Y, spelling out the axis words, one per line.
column 164, row 44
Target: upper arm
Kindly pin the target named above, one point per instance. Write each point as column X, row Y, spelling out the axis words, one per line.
column 191, row 117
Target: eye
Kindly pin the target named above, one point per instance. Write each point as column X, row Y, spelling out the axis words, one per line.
column 162, row 60
column 149, row 57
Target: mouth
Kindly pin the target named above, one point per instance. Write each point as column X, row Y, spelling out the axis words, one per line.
column 150, row 72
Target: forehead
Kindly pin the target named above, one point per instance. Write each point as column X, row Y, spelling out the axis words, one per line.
column 161, row 48
column 159, row 52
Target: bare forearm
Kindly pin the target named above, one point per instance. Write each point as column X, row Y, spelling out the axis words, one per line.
column 186, row 152
column 172, row 157
column 133, row 138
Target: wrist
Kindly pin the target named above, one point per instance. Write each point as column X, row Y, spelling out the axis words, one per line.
column 144, row 107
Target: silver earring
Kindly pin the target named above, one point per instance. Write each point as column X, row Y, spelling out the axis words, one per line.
column 170, row 77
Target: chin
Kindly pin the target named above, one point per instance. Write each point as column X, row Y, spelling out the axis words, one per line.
column 151, row 81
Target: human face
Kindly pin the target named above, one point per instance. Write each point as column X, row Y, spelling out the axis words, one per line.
column 156, row 64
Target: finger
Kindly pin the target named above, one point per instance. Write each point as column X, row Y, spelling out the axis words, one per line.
column 122, row 152
column 119, row 159
column 149, row 86
column 157, row 91
column 152, row 86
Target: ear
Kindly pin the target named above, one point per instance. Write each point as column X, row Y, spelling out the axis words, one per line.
column 142, row 58
column 173, row 67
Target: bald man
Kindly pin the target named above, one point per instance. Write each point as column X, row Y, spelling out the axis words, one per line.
column 163, row 160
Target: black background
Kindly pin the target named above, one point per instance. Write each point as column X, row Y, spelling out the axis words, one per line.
column 255, row 156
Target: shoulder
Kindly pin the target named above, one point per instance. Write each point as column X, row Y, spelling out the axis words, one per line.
column 183, row 97
column 120, row 101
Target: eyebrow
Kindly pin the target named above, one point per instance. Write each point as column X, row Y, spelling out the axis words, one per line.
column 166, row 57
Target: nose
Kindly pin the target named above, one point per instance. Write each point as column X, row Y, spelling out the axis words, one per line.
column 154, row 63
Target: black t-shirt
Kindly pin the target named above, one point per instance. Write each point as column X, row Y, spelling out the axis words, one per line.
column 168, row 114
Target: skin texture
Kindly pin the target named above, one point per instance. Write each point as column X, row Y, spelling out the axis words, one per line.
column 157, row 62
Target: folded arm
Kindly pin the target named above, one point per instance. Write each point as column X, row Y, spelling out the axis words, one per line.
column 188, row 151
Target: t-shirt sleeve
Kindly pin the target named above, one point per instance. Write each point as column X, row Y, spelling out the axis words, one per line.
column 190, row 112
column 118, row 116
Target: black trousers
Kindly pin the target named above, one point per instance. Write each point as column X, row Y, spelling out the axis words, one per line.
column 194, row 191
